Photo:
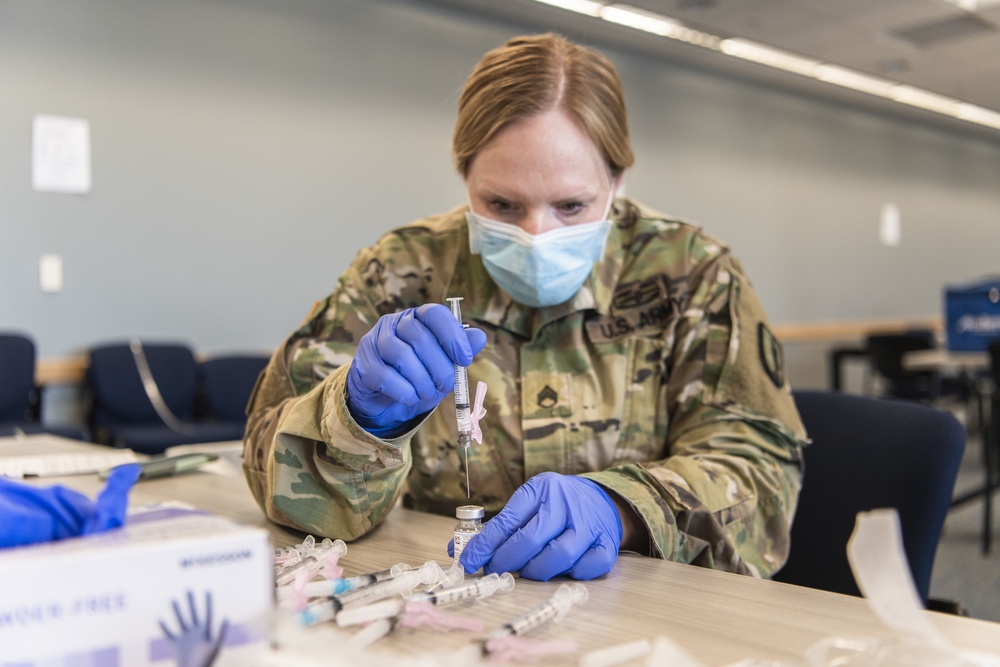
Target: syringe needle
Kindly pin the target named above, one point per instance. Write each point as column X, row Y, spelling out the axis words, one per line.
column 463, row 408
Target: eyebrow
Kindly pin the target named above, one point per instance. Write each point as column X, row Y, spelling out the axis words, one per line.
column 491, row 193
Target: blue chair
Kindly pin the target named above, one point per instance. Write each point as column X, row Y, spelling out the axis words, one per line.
column 121, row 413
column 868, row 453
column 991, row 447
column 18, row 394
column 20, row 398
column 227, row 382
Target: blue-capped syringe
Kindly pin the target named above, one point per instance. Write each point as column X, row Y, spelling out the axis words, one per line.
column 463, row 407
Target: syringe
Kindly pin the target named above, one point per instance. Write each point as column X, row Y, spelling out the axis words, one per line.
column 330, row 587
column 480, row 588
column 401, row 584
column 310, row 562
column 552, row 609
column 463, row 407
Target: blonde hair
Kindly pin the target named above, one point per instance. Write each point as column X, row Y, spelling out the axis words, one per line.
column 533, row 74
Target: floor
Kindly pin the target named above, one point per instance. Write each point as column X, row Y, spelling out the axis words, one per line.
column 961, row 572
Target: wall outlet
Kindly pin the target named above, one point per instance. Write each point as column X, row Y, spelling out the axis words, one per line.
column 890, row 228
column 50, row 273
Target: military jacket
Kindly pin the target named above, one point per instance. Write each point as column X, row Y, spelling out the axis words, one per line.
column 660, row 380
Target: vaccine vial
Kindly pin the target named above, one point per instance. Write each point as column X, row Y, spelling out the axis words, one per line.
column 470, row 522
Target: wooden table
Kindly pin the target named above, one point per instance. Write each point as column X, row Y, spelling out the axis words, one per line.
column 718, row 618
column 946, row 361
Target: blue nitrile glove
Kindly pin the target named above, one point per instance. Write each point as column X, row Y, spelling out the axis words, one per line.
column 43, row 514
column 405, row 365
column 553, row 524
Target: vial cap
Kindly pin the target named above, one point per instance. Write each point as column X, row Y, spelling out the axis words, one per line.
column 469, row 512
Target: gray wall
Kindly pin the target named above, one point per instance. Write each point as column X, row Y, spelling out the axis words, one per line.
column 244, row 149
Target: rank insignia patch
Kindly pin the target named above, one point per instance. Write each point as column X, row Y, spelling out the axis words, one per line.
column 547, row 397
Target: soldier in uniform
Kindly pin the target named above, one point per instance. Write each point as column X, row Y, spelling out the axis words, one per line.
column 637, row 397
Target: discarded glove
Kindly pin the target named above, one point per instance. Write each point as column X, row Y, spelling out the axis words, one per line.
column 44, row 514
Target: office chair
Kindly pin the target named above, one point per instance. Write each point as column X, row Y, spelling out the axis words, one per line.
column 20, row 398
column 18, row 394
column 868, row 453
column 886, row 353
column 122, row 414
column 227, row 382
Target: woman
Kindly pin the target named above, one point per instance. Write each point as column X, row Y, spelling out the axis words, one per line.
column 637, row 398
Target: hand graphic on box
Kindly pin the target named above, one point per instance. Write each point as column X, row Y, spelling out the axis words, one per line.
column 194, row 644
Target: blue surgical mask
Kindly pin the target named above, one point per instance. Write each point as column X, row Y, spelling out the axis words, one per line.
column 538, row 270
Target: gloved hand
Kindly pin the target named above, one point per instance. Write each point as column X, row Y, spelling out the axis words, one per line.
column 405, row 365
column 553, row 524
column 43, row 514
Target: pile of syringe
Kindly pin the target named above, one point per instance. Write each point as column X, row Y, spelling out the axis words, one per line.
column 310, row 584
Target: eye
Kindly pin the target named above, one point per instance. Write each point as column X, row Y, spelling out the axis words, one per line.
column 500, row 207
column 571, row 207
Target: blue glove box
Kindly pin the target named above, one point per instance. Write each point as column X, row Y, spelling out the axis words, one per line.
column 972, row 314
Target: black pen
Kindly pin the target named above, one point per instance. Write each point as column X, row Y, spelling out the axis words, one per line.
column 174, row 465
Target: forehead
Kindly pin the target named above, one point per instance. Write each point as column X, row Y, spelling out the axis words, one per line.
column 547, row 148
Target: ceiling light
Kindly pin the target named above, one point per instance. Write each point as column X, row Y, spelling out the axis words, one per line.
column 745, row 49
column 579, row 6
column 765, row 55
column 848, row 78
column 976, row 114
column 975, row 5
column 918, row 97
column 657, row 24
column 640, row 20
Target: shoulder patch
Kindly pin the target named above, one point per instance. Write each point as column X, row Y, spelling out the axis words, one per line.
column 771, row 355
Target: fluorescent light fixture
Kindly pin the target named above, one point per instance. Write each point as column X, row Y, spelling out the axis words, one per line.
column 975, row 5
column 657, row 24
column 848, row 78
column 745, row 49
column 977, row 114
column 918, row 97
column 579, row 6
column 640, row 19
column 765, row 55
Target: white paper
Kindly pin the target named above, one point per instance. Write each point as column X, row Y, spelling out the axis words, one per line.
column 616, row 655
column 58, row 465
column 60, row 154
column 878, row 561
column 666, row 651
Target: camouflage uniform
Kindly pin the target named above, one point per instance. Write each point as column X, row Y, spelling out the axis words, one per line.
column 659, row 380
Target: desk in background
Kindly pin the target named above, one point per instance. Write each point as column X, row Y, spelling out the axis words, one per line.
column 946, row 361
column 973, row 368
column 68, row 370
column 840, row 354
column 848, row 338
column 719, row 618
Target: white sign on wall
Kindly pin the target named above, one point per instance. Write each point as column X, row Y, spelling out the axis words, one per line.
column 60, row 154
